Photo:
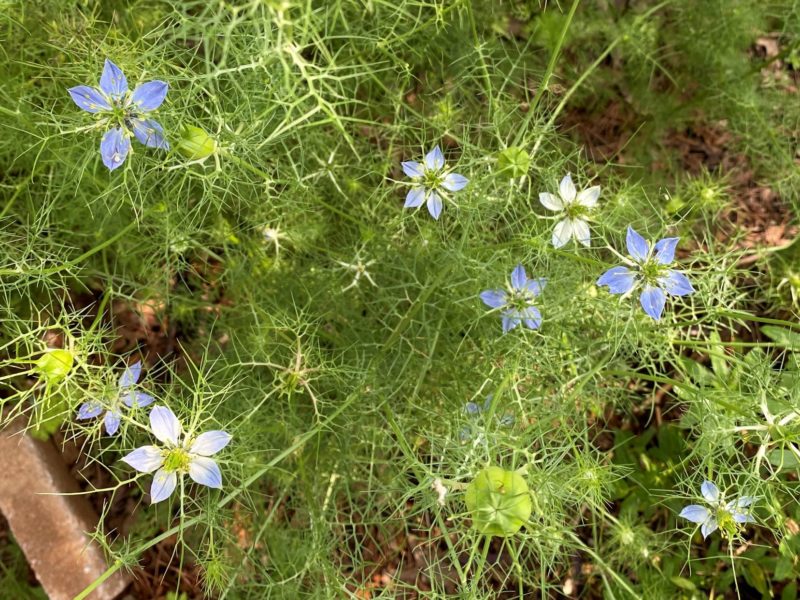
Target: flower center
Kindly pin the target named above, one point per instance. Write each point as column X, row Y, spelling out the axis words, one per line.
column 520, row 299
column 651, row 271
column 432, row 179
column 575, row 210
column 176, row 459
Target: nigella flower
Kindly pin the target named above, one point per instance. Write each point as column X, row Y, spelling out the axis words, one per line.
column 720, row 515
column 176, row 456
column 431, row 182
column 116, row 396
column 125, row 111
column 651, row 269
column 575, row 206
column 517, row 303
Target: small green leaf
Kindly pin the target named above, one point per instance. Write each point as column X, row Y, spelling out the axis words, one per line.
column 683, row 583
column 782, row 336
column 195, row 143
column 499, row 501
column 55, row 364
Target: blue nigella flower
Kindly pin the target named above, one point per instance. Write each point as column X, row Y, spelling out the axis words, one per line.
column 650, row 268
column 720, row 515
column 431, row 182
column 517, row 304
column 121, row 394
column 126, row 112
column 177, row 457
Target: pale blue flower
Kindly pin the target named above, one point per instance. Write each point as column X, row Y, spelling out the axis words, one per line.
column 517, row 303
column 720, row 514
column 651, row 271
column 431, row 182
column 575, row 207
column 177, row 456
column 125, row 111
column 122, row 394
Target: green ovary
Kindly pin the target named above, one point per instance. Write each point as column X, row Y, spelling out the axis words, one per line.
column 177, row 459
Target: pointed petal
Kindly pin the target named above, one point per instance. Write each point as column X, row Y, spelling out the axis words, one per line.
column 89, row 99
column 89, row 410
column 709, row 527
column 454, row 182
column 413, row 169
column 472, row 408
column 205, row 472
column 145, row 459
column 744, row 501
column 580, row 229
column 676, row 283
column 652, row 301
column 165, row 425
column 149, row 132
column 114, row 148
column 163, row 485
column 210, row 442
column 695, row 513
column 518, row 277
column 113, row 81
column 434, row 205
column 415, row 197
column 589, row 197
column 137, row 399
column 566, row 189
column 550, row 201
column 532, row 317
column 562, row 233
column 665, row 250
column 637, row 245
column 620, row 280
column 710, row 492
column 535, row 286
column 510, row 321
column 111, row 422
column 494, row 298
column 742, row 517
column 434, row 160
column 130, row 375
column 149, row 95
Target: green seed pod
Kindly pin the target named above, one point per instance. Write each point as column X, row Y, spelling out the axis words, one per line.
column 196, row 144
column 514, row 161
column 55, row 364
column 499, row 501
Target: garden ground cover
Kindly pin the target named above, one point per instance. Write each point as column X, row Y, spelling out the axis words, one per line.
column 273, row 275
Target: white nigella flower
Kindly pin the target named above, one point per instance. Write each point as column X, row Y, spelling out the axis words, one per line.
column 720, row 515
column 176, row 456
column 575, row 206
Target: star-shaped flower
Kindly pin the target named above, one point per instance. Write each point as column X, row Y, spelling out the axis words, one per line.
column 517, row 303
column 575, row 206
column 431, row 182
column 177, row 456
column 120, row 394
column 721, row 515
column 651, row 270
column 125, row 111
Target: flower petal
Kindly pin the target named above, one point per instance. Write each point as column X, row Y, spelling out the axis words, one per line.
column 165, row 425
column 413, row 169
column 89, row 99
column 665, row 250
column 744, row 501
column 709, row 527
column 566, row 189
column 676, row 283
column 89, row 410
column 415, row 197
column 620, row 280
column 710, row 492
column 137, row 399
column 114, row 148
column 695, row 513
column 518, row 277
column 510, row 320
column 550, row 201
column 145, row 459
column 149, row 132
column 210, row 442
column 742, row 517
column 111, row 422
column 113, row 81
column 434, row 205
column 163, row 485
column 149, row 95
column 580, row 229
column 588, row 197
column 652, row 301
column 531, row 317
column 562, row 233
column 434, row 160
column 638, row 247
column 454, row 182
column 130, row 375
column 494, row 298
column 535, row 286
column 205, row 472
